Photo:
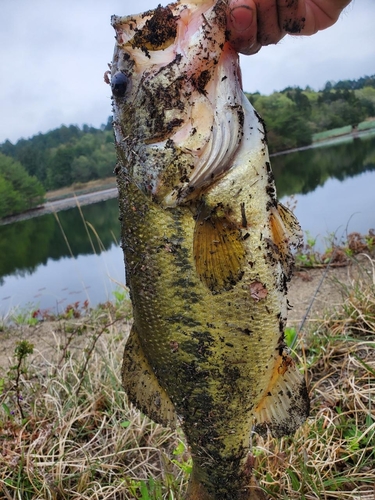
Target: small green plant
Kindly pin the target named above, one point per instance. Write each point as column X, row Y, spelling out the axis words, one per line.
column 146, row 490
column 370, row 240
column 151, row 490
column 290, row 336
column 25, row 316
column 307, row 256
column 22, row 351
column 182, row 460
column 121, row 296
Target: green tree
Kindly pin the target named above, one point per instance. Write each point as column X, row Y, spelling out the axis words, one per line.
column 71, row 154
column 82, row 169
column 286, row 118
column 9, row 199
column 59, row 170
column 18, row 190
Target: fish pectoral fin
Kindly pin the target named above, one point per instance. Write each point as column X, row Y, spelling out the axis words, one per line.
column 286, row 232
column 218, row 250
column 142, row 386
column 285, row 404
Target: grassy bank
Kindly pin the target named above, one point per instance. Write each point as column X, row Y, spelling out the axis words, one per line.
column 67, row 431
column 77, row 189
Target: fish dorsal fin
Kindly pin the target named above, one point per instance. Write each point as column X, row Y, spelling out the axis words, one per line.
column 142, row 386
column 218, row 249
column 286, row 232
column 285, row 404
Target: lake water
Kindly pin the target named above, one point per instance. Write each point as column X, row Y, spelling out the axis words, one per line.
column 52, row 261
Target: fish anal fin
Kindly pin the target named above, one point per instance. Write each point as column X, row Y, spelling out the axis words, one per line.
column 218, row 250
column 142, row 386
column 285, row 404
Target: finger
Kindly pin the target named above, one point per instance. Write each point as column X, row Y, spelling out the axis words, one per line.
column 321, row 14
column 269, row 29
column 242, row 26
column 292, row 16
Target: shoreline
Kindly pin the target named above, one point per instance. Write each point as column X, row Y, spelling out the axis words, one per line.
column 63, row 204
column 109, row 193
column 329, row 142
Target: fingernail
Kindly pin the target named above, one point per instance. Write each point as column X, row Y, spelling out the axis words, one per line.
column 241, row 18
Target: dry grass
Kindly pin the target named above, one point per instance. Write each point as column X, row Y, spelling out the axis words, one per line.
column 333, row 455
column 67, row 431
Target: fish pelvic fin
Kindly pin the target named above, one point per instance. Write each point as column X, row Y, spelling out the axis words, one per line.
column 285, row 404
column 218, row 249
column 142, row 386
column 286, row 232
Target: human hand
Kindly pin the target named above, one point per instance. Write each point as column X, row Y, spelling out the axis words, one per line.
column 254, row 23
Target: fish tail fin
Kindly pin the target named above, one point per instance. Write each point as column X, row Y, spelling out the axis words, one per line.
column 142, row 386
column 285, row 404
column 196, row 490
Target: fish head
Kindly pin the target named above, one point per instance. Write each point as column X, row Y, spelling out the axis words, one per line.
column 177, row 93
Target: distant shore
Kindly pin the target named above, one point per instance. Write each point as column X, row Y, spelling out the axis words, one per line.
column 50, row 207
column 330, row 141
column 82, row 198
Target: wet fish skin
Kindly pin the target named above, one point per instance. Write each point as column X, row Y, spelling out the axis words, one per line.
column 206, row 245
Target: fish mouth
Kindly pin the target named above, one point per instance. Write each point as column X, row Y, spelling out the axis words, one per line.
column 186, row 76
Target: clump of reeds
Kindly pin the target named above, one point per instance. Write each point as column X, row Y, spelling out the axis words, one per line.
column 67, row 431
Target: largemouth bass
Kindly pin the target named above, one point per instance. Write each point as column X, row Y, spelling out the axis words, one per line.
column 206, row 245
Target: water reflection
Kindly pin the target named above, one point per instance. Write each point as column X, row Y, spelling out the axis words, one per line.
column 303, row 171
column 337, row 209
column 58, row 283
column 26, row 244
column 52, row 261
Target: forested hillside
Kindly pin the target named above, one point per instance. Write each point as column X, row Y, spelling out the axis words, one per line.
column 293, row 115
column 66, row 155
column 72, row 154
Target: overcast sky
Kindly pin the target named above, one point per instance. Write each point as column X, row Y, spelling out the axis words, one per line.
column 53, row 54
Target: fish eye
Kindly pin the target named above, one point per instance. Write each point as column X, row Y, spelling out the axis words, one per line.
column 119, row 84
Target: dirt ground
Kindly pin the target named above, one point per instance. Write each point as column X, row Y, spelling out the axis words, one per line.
column 323, row 290
column 306, row 288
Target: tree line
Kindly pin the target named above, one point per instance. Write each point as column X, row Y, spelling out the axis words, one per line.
column 72, row 154
column 53, row 160
column 293, row 115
